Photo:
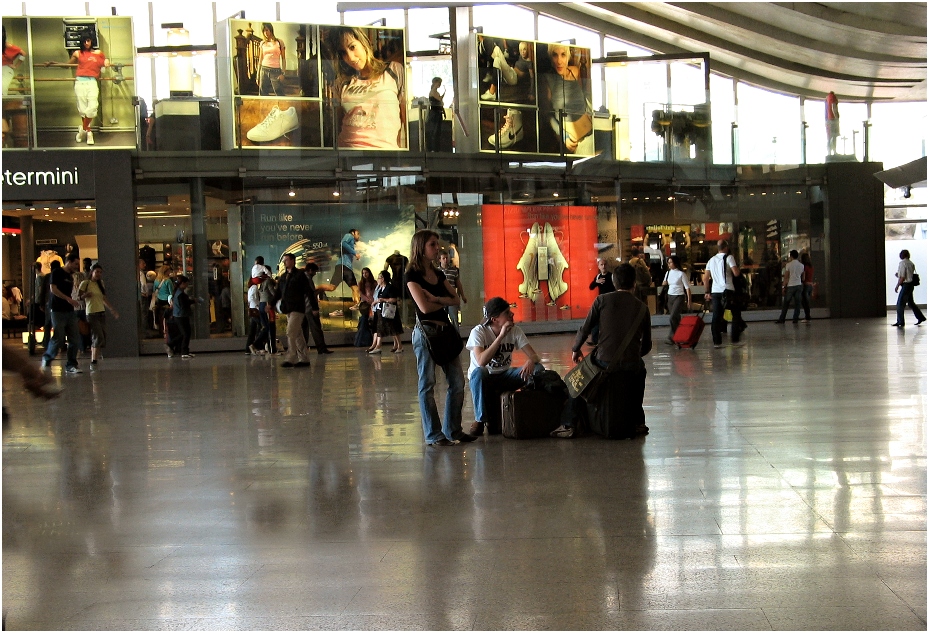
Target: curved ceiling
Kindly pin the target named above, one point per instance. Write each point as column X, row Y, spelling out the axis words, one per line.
column 869, row 51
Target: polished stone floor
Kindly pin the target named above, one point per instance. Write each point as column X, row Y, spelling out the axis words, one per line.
column 783, row 486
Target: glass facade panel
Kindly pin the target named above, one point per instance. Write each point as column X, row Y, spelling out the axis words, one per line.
column 814, row 113
column 496, row 19
column 551, row 30
column 723, row 115
column 769, row 127
column 898, row 132
column 423, row 23
column 394, row 17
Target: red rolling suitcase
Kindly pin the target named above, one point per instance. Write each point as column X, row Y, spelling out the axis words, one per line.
column 689, row 331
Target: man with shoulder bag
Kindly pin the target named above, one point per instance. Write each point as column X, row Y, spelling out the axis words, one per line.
column 610, row 392
column 720, row 272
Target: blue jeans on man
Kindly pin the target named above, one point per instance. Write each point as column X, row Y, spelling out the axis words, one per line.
column 795, row 294
column 433, row 428
column 904, row 299
column 64, row 325
column 487, row 387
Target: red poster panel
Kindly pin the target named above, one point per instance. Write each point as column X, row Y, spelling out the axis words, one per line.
column 712, row 231
column 540, row 259
column 637, row 232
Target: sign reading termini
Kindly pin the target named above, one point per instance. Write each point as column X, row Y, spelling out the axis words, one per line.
column 47, row 175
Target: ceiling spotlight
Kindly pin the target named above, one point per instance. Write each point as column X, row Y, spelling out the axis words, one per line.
column 555, row 194
column 291, row 193
column 335, row 194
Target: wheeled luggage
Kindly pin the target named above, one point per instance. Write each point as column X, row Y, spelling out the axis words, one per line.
column 689, row 330
column 529, row 413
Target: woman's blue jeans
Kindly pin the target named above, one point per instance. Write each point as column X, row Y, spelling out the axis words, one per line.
column 434, row 429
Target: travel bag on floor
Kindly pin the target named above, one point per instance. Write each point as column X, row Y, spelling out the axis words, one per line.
column 616, row 413
column 689, row 330
column 530, row 413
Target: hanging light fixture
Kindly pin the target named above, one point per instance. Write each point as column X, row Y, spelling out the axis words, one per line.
column 291, row 193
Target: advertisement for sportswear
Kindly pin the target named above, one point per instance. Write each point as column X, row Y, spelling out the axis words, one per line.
column 535, row 97
column 81, row 71
column 340, row 239
column 311, row 86
column 540, row 259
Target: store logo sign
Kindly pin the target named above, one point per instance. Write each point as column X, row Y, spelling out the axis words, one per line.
column 41, row 178
column 47, row 175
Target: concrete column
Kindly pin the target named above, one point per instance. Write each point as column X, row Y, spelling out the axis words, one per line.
column 236, row 272
column 26, row 257
column 201, row 269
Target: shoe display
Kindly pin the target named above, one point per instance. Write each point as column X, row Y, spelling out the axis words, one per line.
column 80, row 135
column 73, row 370
column 477, row 429
column 489, row 96
column 275, row 125
column 90, row 137
column 528, row 266
column 511, row 133
column 557, row 264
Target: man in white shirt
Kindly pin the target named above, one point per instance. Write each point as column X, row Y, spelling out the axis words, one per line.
column 793, row 286
column 720, row 271
column 905, row 283
column 492, row 344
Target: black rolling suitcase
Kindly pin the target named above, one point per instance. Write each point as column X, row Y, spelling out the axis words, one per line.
column 529, row 413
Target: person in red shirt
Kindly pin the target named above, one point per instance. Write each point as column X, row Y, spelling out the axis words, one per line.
column 832, row 121
column 89, row 62
column 13, row 57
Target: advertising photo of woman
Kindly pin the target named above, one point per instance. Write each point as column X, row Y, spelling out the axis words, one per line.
column 564, row 85
column 89, row 63
column 13, row 58
column 272, row 64
column 369, row 86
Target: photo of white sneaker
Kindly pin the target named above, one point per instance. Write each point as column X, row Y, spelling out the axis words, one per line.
column 512, row 131
column 275, row 125
column 557, row 264
column 90, row 137
column 80, row 135
column 509, row 75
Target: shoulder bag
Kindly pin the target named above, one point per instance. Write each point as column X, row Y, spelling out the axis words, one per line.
column 584, row 378
column 915, row 279
column 388, row 310
column 442, row 340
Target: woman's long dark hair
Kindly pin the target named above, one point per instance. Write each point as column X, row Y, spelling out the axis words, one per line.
column 418, row 261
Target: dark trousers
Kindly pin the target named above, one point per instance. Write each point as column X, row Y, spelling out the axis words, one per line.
column 904, row 300
column 312, row 326
column 181, row 342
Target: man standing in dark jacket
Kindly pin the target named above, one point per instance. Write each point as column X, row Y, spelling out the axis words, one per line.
column 293, row 290
column 313, row 325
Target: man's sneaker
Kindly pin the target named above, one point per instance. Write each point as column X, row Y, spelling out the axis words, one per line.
column 46, row 364
column 805, row 320
column 80, row 135
column 489, row 96
column 187, row 355
column 253, row 350
column 73, row 370
column 90, row 137
column 477, row 429
column 563, row 432
column 275, row 125
column 169, row 351
column 287, row 363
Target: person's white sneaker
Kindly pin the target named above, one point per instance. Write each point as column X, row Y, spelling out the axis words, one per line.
column 275, row 125
column 90, row 137
column 512, row 131
column 80, row 135
column 489, row 96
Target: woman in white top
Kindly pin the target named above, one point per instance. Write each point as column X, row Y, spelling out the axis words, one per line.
column 272, row 64
column 678, row 289
column 905, row 271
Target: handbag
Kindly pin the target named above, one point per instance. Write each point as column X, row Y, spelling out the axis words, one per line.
column 585, row 377
column 915, row 279
column 442, row 340
column 83, row 327
column 388, row 310
column 253, row 313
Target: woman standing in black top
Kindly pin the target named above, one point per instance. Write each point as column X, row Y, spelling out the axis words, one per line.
column 432, row 294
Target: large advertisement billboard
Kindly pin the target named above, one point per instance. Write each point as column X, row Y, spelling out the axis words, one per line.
column 83, row 86
column 311, row 86
column 541, row 259
column 535, row 97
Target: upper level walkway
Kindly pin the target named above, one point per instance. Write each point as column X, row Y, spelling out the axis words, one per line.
column 782, row 486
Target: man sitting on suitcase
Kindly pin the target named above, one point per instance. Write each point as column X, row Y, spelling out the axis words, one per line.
column 622, row 317
column 492, row 344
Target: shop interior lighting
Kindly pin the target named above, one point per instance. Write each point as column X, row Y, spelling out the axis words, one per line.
column 335, row 194
column 291, row 193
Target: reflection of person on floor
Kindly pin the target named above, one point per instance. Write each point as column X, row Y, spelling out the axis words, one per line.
column 343, row 270
column 492, row 344
column 89, row 63
column 832, row 122
column 272, row 64
column 436, row 115
column 371, row 93
column 564, row 91
column 13, row 57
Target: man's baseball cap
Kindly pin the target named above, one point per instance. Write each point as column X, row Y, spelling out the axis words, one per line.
column 495, row 307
